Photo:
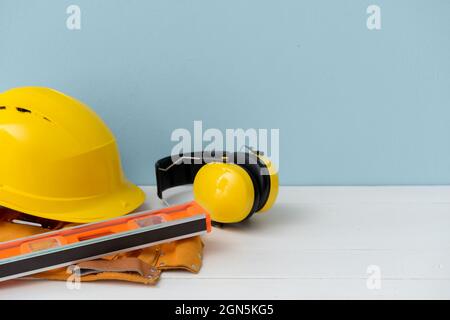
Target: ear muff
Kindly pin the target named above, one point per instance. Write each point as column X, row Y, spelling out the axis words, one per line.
column 272, row 173
column 261, row 184
column 226, row 190
column 231, row 186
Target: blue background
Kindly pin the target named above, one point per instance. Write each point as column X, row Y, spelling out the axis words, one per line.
column 354, row 107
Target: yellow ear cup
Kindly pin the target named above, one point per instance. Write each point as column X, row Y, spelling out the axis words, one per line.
column 273, row 173
column 225, row 190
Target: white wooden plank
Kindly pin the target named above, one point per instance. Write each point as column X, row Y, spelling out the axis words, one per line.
column 198, row 288
column 317, row 242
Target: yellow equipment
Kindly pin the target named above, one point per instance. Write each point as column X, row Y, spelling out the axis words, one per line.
column 230, row 186
column 59, row 160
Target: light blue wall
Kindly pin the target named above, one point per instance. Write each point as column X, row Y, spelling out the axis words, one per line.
column 353, row 106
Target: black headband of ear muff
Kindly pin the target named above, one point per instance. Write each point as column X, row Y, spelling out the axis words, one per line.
column 178, row 170
column 174, row 171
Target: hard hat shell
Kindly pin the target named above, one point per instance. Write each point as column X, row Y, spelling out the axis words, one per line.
column 58, row 160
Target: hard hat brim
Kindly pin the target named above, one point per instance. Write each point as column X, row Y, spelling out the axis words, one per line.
column 82, row 210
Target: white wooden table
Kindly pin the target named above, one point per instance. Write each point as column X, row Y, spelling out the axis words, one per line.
column 316, row 243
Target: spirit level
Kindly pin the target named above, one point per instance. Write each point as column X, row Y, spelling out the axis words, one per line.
column 64, row 247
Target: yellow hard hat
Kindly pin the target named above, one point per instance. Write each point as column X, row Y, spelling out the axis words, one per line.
column 58, row 160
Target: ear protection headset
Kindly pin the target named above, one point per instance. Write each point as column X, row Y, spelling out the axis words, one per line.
column 230, row 186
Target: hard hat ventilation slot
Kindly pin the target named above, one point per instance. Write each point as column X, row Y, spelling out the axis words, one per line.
column 2, row 108
column 23, row 110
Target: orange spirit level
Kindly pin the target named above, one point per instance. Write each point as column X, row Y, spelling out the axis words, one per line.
column 86, row 242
